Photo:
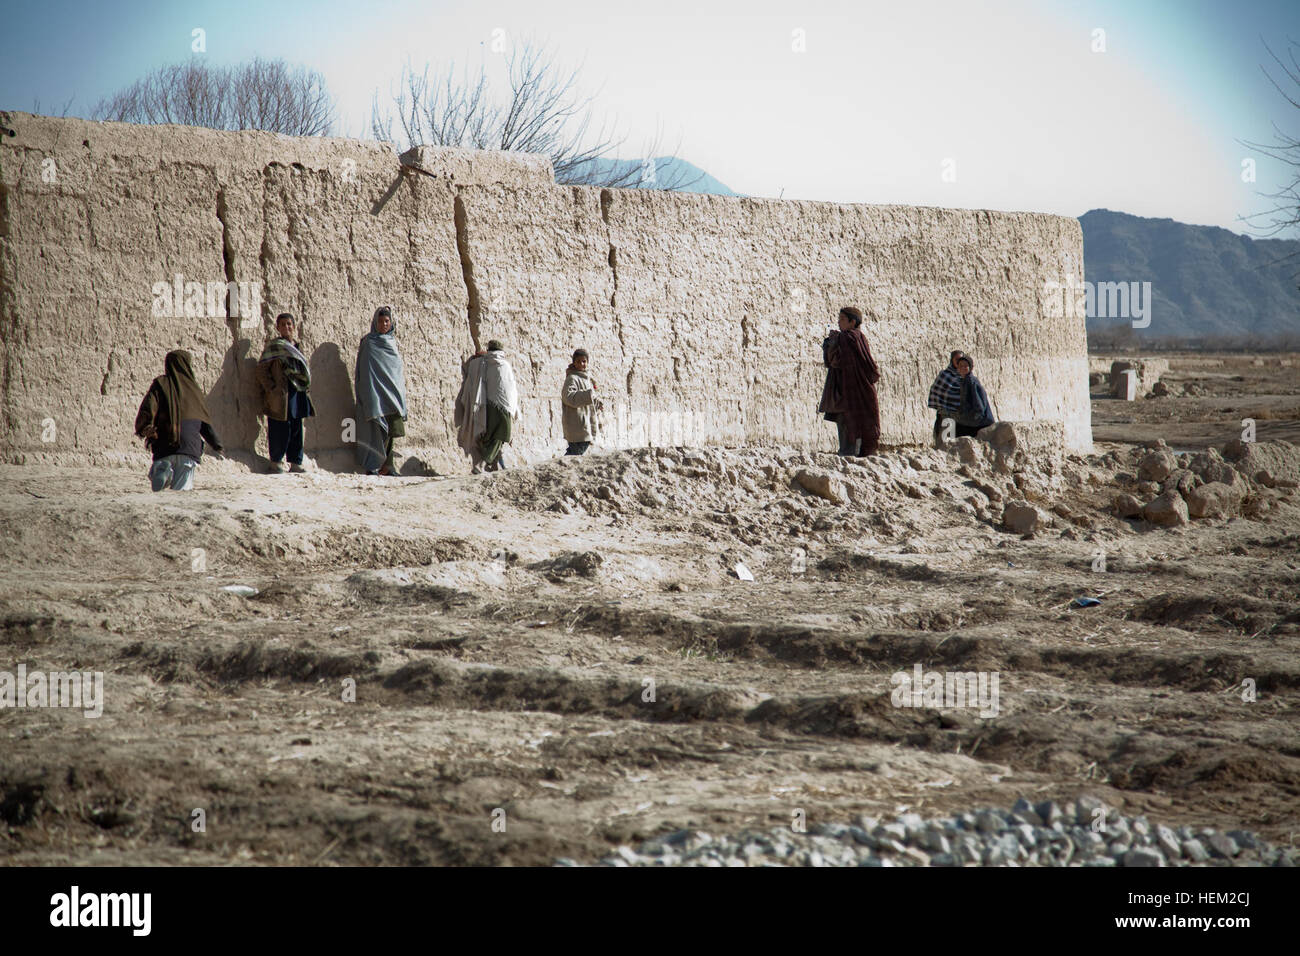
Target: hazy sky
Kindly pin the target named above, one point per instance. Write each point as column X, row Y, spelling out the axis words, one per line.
column 883, row 93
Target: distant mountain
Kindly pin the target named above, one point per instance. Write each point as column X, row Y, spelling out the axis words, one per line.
column 1206, row 282
column 668, row 172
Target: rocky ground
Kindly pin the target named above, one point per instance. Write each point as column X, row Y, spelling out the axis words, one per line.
column 567, row 663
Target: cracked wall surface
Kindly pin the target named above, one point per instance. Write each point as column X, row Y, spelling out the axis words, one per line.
column 703, row 314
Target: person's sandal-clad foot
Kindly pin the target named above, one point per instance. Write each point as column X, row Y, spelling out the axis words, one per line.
column 274, row 468
column 297, row 469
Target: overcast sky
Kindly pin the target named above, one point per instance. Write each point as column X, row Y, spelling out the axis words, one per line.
column 878, row 98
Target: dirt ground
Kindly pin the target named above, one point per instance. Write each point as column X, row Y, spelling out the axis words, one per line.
column 554, row 660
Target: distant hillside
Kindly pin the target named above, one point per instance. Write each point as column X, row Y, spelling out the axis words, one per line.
column 1206, row 282
column 669, row 173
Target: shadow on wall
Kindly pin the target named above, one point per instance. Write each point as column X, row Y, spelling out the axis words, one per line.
column 236, row 403
column 332, row 396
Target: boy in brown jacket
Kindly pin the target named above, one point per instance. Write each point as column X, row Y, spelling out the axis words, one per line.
column 579, row 399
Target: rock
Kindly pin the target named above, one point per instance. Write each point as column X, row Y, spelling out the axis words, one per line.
column 986, row 821
column 584, row 564
column 862, row 837
column 1043, row 440
column 1148, row 488
column 969, row 850
column 1236, row 449
column 823, row 485
column 1127, row 506
column 1027, row 811
column 1001, row 435
column 1048, row 812
column 1159, row 390
column 934, row 841
column 1222, row 846
column 1168, row 510
column 628, row 854
column 1180, row 480
column 1085, row 810
column 1011, row 847
column 652, row 499
column 1213, row 500
column 1020, row 517
column 1143, row 856
column 1156, row 466
column 1088, row 842
column 1195, row 851
column 1210, row 466
column 891, row 831
column 1245, row 839
column 1168, row 842
column 687, row 838
column 968, row 451
column 892, row 845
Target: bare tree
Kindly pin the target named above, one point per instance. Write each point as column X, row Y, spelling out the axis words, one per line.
column 1285, row 213
column 260, row 94
column 542, row 112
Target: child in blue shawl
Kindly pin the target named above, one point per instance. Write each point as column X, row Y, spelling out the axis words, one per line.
column 381, row 395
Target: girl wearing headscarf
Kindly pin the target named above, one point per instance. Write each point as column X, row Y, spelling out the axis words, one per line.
column 283, row 374
column 976, row 411
column 859, row 409
column 381, row 395
column 174, row 422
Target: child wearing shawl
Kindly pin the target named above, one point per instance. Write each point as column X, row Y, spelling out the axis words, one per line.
column 858, row 407
column 486, row 407
column 174, row 422
column 283, row 374
column 381, row 395
column 975, row 411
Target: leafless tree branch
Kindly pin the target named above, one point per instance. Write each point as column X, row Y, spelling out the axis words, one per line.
column 1285, row 212
column 542, row 111
column 260, row 94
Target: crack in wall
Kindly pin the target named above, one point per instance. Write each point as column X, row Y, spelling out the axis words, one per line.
column 108, row 371
column 264, row 254
column 606, row 204
column 227, row 252
column 474, row 310
column 613, row 296
column 232, row 298
column 8, row 315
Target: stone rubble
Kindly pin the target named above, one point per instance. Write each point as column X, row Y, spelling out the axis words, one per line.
column 1030, row 834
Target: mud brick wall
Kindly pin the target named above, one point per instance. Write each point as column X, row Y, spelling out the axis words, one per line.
column 703, row 314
